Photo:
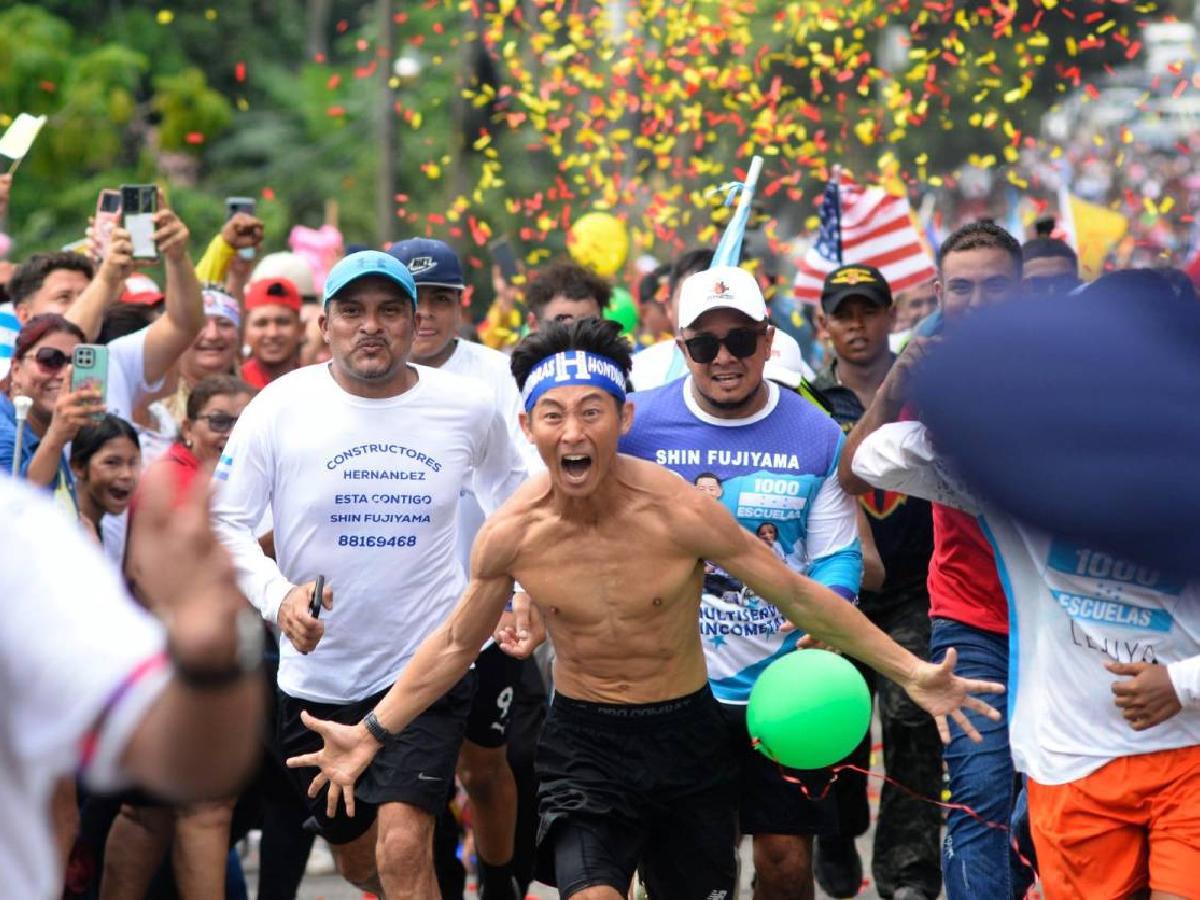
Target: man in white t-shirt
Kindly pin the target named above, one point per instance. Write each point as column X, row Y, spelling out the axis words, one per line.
column 483, row 764
column 96, row 686
column 1113, row 766
column 361, row 462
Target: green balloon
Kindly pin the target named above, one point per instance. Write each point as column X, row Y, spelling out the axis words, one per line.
column 623, row 310
column 808, row 709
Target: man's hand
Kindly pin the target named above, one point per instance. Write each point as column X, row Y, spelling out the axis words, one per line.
column 1146, row 699
column 170, row 234
column 522, row 630
column 72, row 410
column 117, row 264
column 295, row 621
column 347, row 751
column 936, row 689
column 895, row 385
column 188, row 578
column 242, row 231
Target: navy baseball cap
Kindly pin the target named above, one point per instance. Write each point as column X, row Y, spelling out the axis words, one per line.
column 431, row 262
column 368, row 262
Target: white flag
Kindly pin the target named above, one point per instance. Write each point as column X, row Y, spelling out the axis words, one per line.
column 20, row 135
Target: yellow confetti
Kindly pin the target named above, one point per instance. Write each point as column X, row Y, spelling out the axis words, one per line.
column 164, row 17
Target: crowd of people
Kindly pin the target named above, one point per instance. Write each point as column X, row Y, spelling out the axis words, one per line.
column 308, row 558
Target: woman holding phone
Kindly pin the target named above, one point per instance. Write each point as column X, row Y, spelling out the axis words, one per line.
column 41, row 371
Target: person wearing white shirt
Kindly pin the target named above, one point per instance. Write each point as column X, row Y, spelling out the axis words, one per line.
column 483, row 763
column 361, row 462
column 96, row 686
column 1104, row 707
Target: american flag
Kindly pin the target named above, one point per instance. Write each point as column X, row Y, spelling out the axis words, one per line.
column 864, row 225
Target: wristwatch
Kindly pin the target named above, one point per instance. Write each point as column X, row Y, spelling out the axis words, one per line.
column 371, row 722
column 247, row 658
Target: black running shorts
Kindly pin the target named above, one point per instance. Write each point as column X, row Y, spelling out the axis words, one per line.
column 495, row 675
column 416, row 768
column 649, row 786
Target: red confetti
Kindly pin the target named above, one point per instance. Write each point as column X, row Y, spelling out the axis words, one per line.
column 336, row 111
column 194, row 137
column 239, row 72
column 268, row 193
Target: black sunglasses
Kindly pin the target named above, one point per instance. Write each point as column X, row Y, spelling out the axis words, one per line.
column 51, row 358
column 741, row 342
column 221, row 423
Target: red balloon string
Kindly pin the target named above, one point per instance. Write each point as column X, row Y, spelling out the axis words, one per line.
column 847, row 767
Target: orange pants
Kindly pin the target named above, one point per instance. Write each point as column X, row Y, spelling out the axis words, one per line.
column 1132, row 824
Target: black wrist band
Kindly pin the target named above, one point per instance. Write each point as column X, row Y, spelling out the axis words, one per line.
column 371, row 722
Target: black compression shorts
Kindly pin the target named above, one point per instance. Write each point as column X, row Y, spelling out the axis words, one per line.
column 495, row 675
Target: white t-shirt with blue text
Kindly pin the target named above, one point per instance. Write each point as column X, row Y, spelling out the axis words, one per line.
column 1072, row 609
column 365, row 492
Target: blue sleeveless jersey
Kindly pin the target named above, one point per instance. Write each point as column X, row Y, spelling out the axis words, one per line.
column 777, row 468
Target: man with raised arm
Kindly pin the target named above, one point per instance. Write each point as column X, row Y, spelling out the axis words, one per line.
column 635, row 763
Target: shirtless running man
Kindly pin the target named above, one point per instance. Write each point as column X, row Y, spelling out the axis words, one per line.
column 635, row 762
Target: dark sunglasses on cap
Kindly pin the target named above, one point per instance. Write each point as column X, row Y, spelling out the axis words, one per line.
column 51, row 358
column 741, row 342
column 220, row 423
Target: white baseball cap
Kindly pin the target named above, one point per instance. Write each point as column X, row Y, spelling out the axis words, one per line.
column 292, row 266
column 721, row 287
column 786, row 363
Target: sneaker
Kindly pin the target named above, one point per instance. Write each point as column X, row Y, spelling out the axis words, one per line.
column 320, row 860
column 837, row 866
column 905, row 892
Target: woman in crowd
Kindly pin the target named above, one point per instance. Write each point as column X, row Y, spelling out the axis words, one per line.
column 41, row 371
column 106, row 460
column 216, row 350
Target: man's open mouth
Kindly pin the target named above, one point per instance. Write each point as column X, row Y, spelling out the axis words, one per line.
column 576, row 465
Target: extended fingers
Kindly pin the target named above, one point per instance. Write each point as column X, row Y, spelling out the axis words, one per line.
column 943, row 728
column 984, row 709
column 965, row 724
column 317, row 783
column 308, row 760
column 975, row 686
column 347, row 798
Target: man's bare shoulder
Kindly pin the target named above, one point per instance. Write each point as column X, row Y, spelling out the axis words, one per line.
column 690, row 513
column 499, row 541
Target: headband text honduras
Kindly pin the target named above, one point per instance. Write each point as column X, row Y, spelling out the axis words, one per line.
column 574, row 367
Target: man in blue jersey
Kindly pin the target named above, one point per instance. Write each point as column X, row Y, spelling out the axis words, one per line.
column 775, row 457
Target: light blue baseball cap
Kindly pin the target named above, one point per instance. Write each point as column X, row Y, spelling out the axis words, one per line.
column 368, row 262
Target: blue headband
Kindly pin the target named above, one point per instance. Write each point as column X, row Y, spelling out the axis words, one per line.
column 574, row 367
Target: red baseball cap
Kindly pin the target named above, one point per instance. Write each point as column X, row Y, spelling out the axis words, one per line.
column 140, row 290
column 273, row 292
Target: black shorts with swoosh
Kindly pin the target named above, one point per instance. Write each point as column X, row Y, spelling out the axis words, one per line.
column 416, row 768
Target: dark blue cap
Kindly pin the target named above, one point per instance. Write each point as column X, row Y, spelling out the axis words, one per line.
column 431, row 262
column 368, row 262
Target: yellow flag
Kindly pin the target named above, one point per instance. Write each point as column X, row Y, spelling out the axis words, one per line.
column 1094, row 231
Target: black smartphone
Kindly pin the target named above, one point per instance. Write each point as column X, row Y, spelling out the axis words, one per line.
column 505, row 258
column 235, row 205
column 314, row 602
column 139, row 203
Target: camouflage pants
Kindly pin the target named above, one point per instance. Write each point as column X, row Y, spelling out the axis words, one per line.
column 907, row 847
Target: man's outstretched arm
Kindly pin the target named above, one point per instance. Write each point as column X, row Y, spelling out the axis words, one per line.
column 830, row 619
column 441, row 660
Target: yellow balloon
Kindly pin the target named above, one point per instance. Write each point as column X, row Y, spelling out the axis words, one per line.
column 598, row 241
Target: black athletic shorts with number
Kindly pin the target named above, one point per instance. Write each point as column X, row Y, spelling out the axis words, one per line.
column 416, row 767
column 639, row 785
column 770, row 803
column 495, row 675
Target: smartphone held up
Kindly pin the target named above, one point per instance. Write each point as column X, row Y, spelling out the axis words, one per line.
column 139, row 203
column 89, row 368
